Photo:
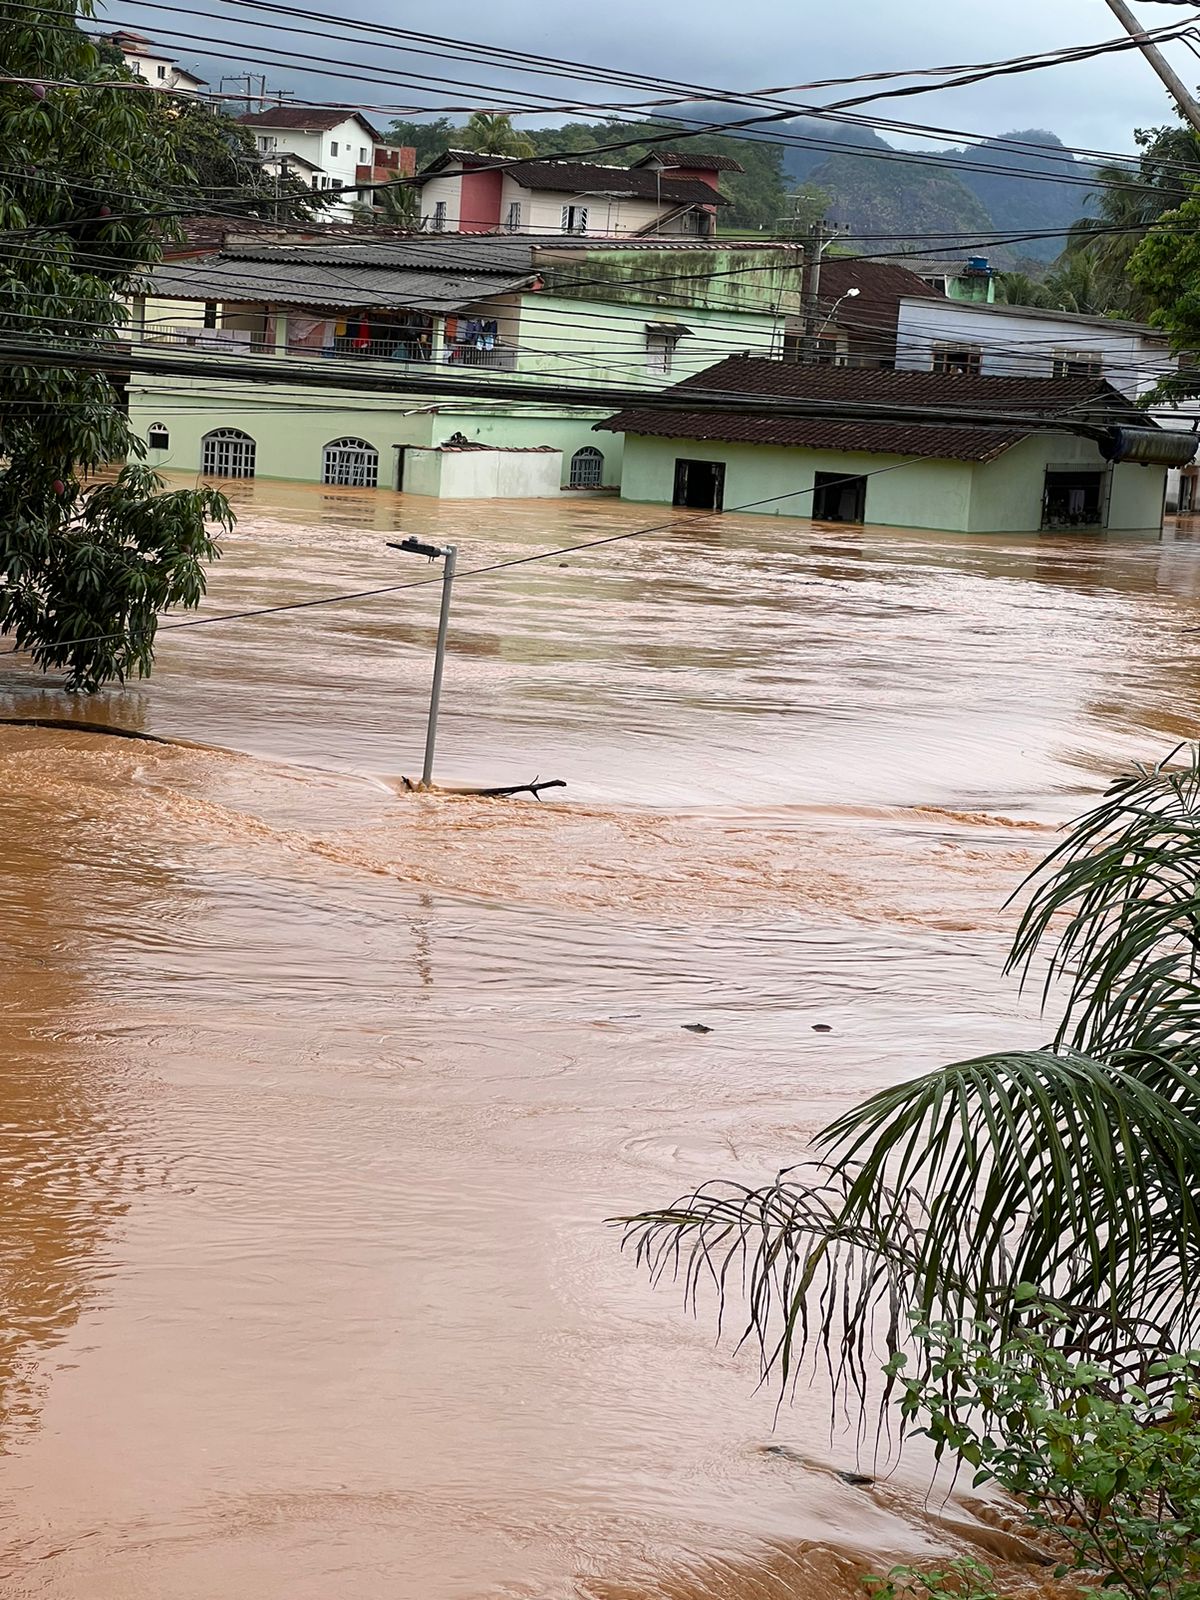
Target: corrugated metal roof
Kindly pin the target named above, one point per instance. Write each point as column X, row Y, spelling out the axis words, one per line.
column 474, row 254
column 295, row 281
column 872, row 386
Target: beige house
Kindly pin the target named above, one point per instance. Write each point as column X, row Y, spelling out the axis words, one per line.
column 666, row 193
column 147, row 61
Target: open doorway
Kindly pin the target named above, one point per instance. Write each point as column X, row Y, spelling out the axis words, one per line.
column 837, row 498
column 700, row 485
column 1074, row 499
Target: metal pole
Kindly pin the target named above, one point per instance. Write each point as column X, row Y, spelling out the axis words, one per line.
column 1175, row 85
column 450, row 555
column 814, row 246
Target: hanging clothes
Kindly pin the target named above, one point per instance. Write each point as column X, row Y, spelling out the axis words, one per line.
column 363, row 337
column 339, row 328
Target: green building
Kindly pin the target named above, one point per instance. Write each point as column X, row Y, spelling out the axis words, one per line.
column 941, row 451
column 639, row 313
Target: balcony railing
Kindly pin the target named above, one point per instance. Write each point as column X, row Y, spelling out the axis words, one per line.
column 393, row 349
column 500, row 358
column 345, row 347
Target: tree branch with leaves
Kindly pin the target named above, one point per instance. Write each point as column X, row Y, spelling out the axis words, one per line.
column 86, row 199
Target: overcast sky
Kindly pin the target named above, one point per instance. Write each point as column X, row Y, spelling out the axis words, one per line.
column 746, row 45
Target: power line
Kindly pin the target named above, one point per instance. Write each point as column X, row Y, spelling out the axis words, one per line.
column 471, row 572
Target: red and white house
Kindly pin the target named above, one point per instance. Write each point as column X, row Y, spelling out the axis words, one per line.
column 664, row 193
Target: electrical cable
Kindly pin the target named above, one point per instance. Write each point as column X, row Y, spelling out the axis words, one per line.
column 470, row 572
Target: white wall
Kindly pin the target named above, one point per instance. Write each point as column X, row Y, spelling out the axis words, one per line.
column 541, row 209
column 447, row 189
column 1023, row 341
column 161, row 72
column 349, row 136
column 483, row 474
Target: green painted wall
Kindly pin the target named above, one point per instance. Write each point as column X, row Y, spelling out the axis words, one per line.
column 724, row 280
column 931, row 494
column 1001, row 496
column 606, row 343
column 291, row 427
column 1007, row 492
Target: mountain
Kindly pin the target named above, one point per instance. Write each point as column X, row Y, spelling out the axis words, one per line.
column 1026, row 204
column 997, row 186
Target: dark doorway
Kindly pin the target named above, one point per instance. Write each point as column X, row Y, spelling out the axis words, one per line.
column 401, row 452
column 700, row 485
column 837, row 498
column 1073, row 500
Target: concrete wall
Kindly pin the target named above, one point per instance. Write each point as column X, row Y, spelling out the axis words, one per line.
column 1007, row 492
column 1001, row 496
column 483, row 474
column 470, row 207
column 604, row 341
column 1023, row 341
column 776, row 481
column 292, row 426
column 349, row 136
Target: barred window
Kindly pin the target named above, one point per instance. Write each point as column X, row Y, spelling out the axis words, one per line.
column 227, row 453
column 352, row 463
column 587, row 468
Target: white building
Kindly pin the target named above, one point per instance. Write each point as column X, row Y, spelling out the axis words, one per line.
column 666, row 193
column 934, row 335
column 1031, row 342
column 146, row 60
column 323, row 147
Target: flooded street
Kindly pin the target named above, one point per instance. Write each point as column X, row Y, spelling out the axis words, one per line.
column 316, row 1095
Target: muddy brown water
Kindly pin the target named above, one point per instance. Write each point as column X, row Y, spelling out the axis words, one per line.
column 315, row 1096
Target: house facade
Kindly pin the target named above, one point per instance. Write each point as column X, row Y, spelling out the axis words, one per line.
column 919, row 468
column 511, row 311
column 999, row 340
column 328, row 148
column 465, row 192
column 147, row 61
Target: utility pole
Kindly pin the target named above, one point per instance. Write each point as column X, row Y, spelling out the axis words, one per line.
column 1176, row 88
column 814, row 247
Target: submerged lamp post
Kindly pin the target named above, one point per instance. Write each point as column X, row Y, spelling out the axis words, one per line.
column 449, row 555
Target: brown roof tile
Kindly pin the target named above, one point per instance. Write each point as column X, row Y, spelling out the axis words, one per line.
column 317, row 119
column 588, row 177
column 691, row 158
column 844, row 386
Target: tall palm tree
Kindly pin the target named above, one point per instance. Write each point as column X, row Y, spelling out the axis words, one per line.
column 396, row 206
column 494, row 135
column 1128, row 201
column 1074, row 1168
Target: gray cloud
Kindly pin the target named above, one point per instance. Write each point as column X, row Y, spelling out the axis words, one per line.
column 752, row 45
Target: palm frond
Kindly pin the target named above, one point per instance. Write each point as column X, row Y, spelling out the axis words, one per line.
column 1124, row 888
column 943, row 1196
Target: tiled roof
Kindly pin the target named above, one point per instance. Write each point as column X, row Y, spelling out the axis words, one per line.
column 307, row 119
column 1024, row 397
column 587, row 177
column 874, row 280
column 691, row 158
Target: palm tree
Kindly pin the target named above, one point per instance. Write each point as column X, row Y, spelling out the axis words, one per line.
column 1129, row 201
column 1071, row 1168
column 493, row 134
column 1019, row 289
column 396, row 206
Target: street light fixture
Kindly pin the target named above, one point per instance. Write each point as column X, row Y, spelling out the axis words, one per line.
column 449, row 555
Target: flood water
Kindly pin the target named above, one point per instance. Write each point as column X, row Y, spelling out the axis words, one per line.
column 316, row 1095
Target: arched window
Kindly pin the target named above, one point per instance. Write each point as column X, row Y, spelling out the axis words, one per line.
column 351, row 462
column 157, row 436
column 587, row 468
column 227, row 453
